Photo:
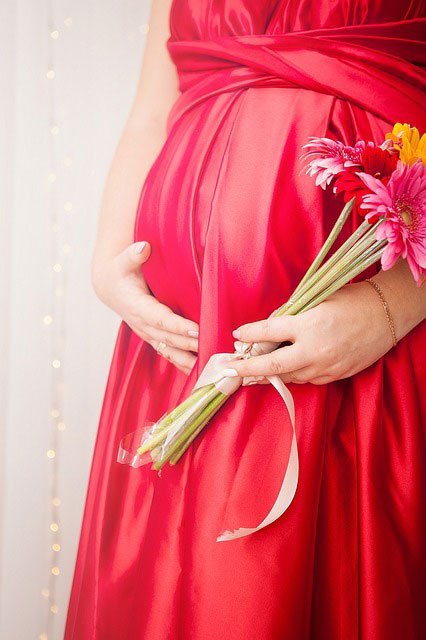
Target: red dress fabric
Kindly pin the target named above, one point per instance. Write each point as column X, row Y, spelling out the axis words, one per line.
column 233, row 224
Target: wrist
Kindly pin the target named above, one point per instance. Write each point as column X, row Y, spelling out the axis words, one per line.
column 406, row 300
column 386, row 312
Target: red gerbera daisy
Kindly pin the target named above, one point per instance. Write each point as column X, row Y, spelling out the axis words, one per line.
column 376, row 162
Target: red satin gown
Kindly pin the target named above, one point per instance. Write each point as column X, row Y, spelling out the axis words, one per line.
column 233, row 224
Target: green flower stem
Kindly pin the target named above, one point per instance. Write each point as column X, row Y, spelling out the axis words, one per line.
column 181, row 450
column 365, row 240
column 168, row 422
column 307, row 278
column 345, row 247
column 353, row 254
column 207, row 412
column 190, row 415
column 328, row 243
column 177, row 411
column 357, row 250
column 371, row 256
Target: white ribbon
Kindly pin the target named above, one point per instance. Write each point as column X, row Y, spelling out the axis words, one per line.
column 212, row 373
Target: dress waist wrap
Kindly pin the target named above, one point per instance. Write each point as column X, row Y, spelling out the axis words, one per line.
column 378, row 67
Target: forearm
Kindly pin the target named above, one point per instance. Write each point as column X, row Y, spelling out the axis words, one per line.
column 406, row 300
column 136, row 151
column 143, row 136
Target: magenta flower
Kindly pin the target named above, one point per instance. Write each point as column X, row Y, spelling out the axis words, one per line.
column 327, row 158
column 402, row 202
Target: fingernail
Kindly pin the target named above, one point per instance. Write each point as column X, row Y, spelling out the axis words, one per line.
column 229, row 373
column 139, row 246
column 237, row 334
column 193, row 333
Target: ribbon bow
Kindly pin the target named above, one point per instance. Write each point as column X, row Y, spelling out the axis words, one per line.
column 212, row 373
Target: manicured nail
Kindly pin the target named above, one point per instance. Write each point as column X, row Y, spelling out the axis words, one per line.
column 140, row 246
column 237, row 334
column 229, row 373
column 192, row 333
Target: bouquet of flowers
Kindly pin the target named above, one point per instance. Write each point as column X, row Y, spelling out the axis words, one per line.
column 386, row 185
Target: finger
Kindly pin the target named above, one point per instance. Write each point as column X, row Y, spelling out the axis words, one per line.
column 185, row 343
column 179, row 358
column 279, row 361
column 134, row 255
column 254, row 380
column 185, row 369
column 271, row 329
column 299, row 376
column 159, row 316
column 321, row 380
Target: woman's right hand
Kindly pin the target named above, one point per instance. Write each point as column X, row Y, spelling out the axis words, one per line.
column 119, row 283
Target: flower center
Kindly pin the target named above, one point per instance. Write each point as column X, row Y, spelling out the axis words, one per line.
column 406, row 216
column 408, row 210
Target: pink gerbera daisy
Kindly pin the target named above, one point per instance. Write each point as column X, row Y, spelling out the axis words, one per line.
column 402, row 202
column 327, row 158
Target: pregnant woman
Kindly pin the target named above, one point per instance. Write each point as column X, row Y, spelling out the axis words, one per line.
column 207, row 225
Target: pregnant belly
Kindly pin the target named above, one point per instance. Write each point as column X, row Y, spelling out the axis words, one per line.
column 232, row 220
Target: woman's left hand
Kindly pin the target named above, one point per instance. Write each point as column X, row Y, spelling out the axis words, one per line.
column 340, row 337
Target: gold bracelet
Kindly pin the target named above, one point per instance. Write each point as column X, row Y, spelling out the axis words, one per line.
column 391, row 324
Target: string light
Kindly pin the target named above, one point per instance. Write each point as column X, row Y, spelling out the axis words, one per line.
column 54, row 320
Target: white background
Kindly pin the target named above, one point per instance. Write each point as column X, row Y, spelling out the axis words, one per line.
column 96, row 58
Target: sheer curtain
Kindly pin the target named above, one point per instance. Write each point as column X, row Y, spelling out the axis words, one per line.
column 68, row 75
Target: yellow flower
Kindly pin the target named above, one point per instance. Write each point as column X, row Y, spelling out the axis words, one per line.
column 408, row 142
